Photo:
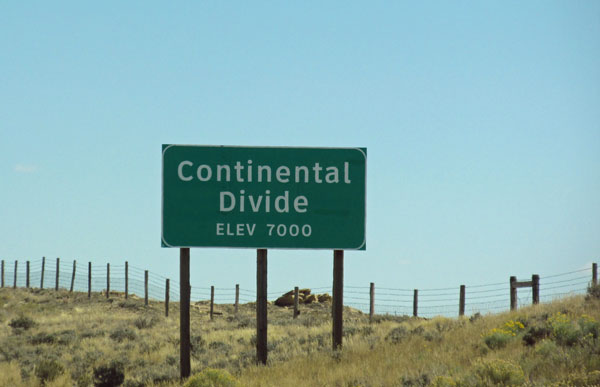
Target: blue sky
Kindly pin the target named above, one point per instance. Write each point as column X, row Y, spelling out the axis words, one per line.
column 481, row 119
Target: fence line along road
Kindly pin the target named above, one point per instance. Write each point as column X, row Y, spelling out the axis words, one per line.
column 427, row 302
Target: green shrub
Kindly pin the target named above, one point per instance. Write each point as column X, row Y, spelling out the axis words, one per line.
column 21, row 322
column 109, row 375
column 154, row 374
column 198, row 346
column 311, row 320
column 434, row 336
column 219, row 346
column 593, row 292
column 564, row 331
column 397, row 334
column 589, row 326
column 83, row 380
column 48, row 370
column 444, row 381
column 589, row 379
column 349, row 331
column 355, row 330
column 245, row 322
column 535, row 334
column 497, row 338
column 421, row 380
column 87, row 333
column 475, row 317
column 498, row 372
column 546, row 349
column 212, row 378
column 43, row 338
column 367, row 331
column 379, row 318
column 123, row 333
column 144, row 322
column 131, row 304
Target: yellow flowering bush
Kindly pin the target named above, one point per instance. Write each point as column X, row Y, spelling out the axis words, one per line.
column 499, row 337
column 513, row 327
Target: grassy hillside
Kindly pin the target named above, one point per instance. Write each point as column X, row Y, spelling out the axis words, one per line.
column 63, row 339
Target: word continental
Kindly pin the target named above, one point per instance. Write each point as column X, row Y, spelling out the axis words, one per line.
column 262, row 173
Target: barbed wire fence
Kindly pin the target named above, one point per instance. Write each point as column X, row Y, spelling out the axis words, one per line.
column 479, row 298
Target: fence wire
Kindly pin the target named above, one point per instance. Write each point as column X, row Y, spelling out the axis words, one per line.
column 479, row 298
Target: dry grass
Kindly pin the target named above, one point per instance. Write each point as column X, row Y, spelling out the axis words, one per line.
column 72, row 338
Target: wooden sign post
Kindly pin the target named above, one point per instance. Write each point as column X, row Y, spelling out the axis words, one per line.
column 261, row 306
column 184, row 312
column 338, row 298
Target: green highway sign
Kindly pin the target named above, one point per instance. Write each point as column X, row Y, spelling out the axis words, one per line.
column 264, row 197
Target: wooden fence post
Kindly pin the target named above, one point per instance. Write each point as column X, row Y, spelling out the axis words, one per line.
column 126, row 279
column 535, row 286
column 107, row 279
column 513, row 293
column 27, row 275
column 461, row 301
column 146, row 287
column 43, row 269
column 237, row 297
column 296, row 296
column 57, row 272
column 594, row 274
column 338, row 299
column 2, row 274
column 416, row 303
column 372, row 302
column 89, row 279
column 15, row 280
column 212, row 301
column 167, row 298
column 73, row 276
